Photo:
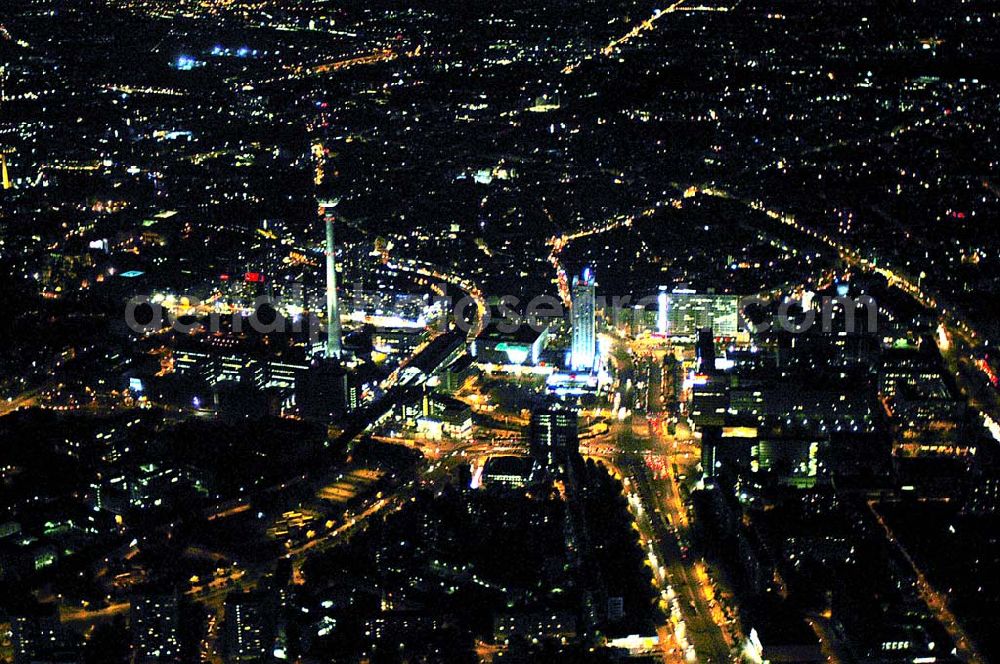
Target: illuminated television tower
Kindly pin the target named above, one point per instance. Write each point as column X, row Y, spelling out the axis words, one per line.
column 334, row 347
column 7, row 184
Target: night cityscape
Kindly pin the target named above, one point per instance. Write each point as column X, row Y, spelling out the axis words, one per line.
column 507, row 331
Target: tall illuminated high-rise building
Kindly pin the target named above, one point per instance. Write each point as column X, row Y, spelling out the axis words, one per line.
column 249, row 628
column 43, row 638
column 155, row 625
column 554, row 436
column 584, row 349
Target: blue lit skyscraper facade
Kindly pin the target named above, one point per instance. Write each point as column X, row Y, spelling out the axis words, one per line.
column 584, row 350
